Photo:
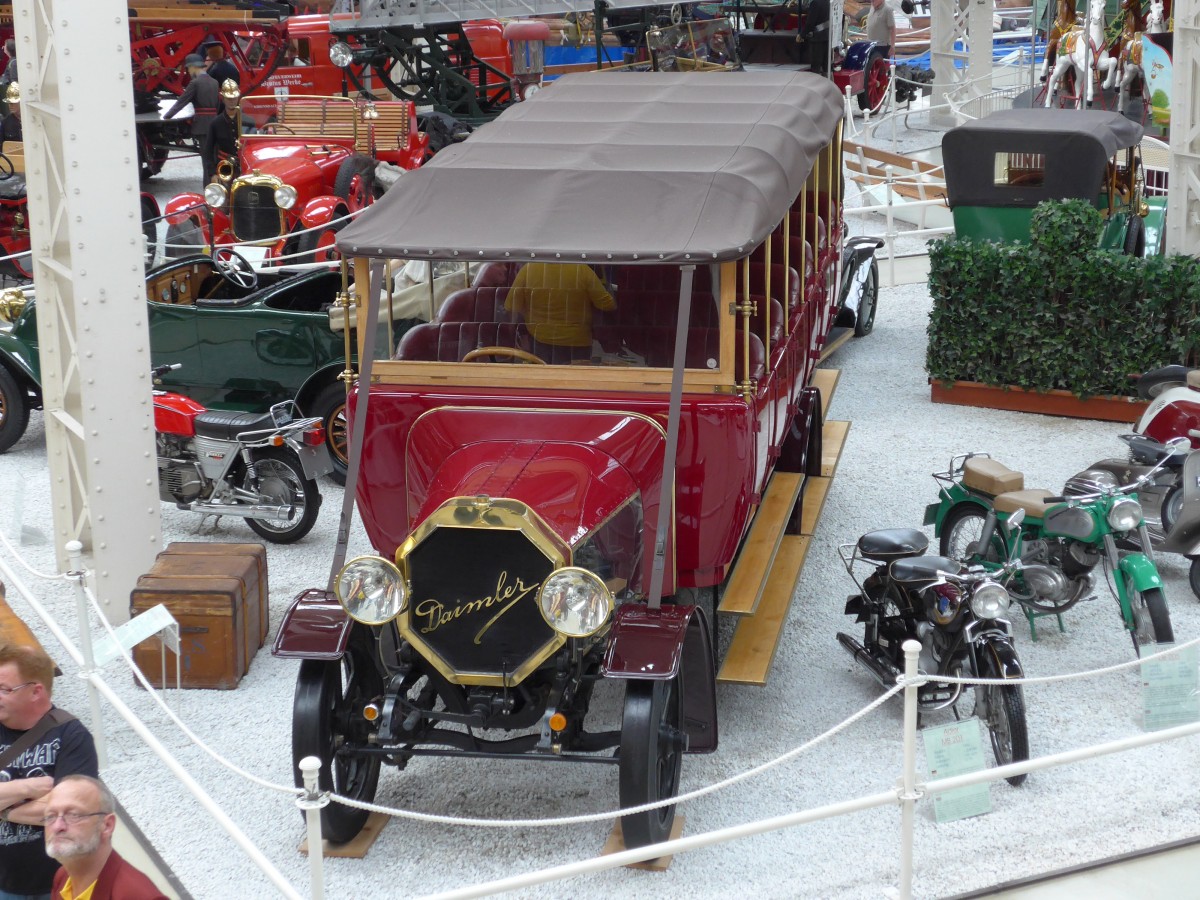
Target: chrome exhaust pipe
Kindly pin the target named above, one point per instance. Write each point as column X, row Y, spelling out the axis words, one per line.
column 245, row 512
column 884, row 670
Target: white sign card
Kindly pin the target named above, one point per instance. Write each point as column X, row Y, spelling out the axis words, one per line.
column 957, row 749
column 1170, row 690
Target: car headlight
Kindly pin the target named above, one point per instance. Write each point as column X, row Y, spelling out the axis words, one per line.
column 1125, row 515
column 371, row 590
column 285, row 196
column 575, row 602
column 340, row 54
column 215, row 195
column 990, row 601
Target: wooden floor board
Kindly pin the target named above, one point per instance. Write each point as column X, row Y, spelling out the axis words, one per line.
column 815, row 492
column 833, row 439
column 746, row 584
column 826, row 381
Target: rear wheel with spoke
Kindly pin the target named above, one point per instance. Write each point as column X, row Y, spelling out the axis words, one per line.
column 280, row 482
column 651, row 757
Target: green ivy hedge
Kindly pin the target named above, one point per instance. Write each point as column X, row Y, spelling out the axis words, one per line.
column 1058, row 312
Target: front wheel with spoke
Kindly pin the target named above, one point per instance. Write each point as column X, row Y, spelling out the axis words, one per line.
column 326, row 723
column 961, row 530
column 1005, row 719
column 1151, row 618
column 651, row 757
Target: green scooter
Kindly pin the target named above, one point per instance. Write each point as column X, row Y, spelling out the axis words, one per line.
column 1060, row 542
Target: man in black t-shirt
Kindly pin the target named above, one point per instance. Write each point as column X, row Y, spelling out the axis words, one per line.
column 64, row 748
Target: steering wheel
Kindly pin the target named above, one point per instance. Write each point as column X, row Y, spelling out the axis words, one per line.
column 276, row 128
column 235, row 268
column 6, row 167
column 512, row 352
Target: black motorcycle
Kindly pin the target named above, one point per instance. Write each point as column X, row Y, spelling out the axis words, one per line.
column 957, row 615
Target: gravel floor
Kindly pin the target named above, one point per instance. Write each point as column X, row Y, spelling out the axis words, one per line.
column 898, row 437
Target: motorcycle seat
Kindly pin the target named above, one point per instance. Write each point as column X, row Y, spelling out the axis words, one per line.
column 227, row 424
column 922, row 568
column 989, row 476
column 1032, row 501
column 889, row 544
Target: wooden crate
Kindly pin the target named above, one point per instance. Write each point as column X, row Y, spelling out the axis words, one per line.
column 218, row 549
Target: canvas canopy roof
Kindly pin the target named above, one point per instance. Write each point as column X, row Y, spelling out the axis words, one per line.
column 1076, row 145
column 614, row 166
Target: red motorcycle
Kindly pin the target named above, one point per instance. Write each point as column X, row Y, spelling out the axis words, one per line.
column 259, row 466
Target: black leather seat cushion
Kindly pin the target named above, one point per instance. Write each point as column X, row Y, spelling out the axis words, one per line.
column 12, row 188
column 227, row 424
column 888, row 544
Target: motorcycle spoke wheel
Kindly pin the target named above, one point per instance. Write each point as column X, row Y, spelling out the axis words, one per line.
column 1194, row 577
column 328, row 695
column 961, row 531
column 281, row 482
column 651, row 758
column 1172, row 506
column 1005, row 721
column 1151, row 618
column 864, row 321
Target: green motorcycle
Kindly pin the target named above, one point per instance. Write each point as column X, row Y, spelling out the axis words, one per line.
column 1060, row 542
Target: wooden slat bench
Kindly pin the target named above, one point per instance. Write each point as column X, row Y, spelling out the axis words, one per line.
column 916, row 179
column 338, row 119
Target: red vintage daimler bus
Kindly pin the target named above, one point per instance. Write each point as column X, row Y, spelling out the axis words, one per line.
column 558, row 468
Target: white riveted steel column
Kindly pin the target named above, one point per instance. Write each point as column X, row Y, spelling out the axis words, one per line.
column 87, row 247
column 1183, row 200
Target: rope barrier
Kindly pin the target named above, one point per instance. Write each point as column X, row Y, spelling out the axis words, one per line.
column 28, row 568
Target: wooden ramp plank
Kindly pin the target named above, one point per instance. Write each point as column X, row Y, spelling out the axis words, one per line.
column 746, row 584
column 815, row 492
column 757, row 638
column 833, row 439
column 826, row 381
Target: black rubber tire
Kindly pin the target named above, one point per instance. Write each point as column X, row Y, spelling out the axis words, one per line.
column 281, row 477
column 651, row 757
column 188, row 233
column 1155, row 617
column 317, row 246
column 954, row 522
column 1194, row 577
column 344, row 186
column 330, row 406
column 14, row 410
column 1135, row 236
column 1006, row 725
column 864, row 321
column 329, row 694
column 1172, row 505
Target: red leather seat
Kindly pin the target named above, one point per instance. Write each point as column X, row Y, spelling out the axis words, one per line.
column 475, row 304
column 637, row 308
column 451, row 341
column 494, row 274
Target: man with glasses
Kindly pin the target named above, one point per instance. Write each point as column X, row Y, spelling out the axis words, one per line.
column 39, row 743
column 79, row 824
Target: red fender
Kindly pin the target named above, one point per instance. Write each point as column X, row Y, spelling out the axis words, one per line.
column 654, row 644
column 322, row 211
column 314, row 627
column 182, row 207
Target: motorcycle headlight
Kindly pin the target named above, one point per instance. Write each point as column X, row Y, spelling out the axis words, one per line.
column 575, row 602
column 285, row 196
column 215, row 195
column 1125, row 515
column 340, row 54
column 990, row 601
column 371, row 590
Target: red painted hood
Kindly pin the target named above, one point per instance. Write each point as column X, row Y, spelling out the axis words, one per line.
column 310, row 169
column 573, row 469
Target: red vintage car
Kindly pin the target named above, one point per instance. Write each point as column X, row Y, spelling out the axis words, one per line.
column 294, row 184
column 557, row 471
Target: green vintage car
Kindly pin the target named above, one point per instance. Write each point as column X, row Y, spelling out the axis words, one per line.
column 244, row 340
column 1000, row 167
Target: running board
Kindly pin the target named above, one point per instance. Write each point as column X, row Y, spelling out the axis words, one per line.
column 757, row 635
column 749, row 579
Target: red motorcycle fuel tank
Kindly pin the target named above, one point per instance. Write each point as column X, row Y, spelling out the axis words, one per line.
column 175, row 414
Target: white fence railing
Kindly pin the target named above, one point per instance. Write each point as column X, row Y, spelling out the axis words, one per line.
column 908, row 792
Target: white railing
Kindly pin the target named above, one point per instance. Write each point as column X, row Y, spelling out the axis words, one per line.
column 908, row 792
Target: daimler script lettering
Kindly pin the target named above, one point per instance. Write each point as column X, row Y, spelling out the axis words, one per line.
column 434, row 614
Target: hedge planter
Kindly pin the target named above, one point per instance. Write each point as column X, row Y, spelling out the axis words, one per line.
column 1105, row 408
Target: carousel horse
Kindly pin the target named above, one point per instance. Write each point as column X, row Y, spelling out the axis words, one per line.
column 1064, row 20
column 1131, row 47
column 1084, row 52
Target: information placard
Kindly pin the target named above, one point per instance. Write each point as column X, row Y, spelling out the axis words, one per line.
column 1170, row 690
column 957, row 749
